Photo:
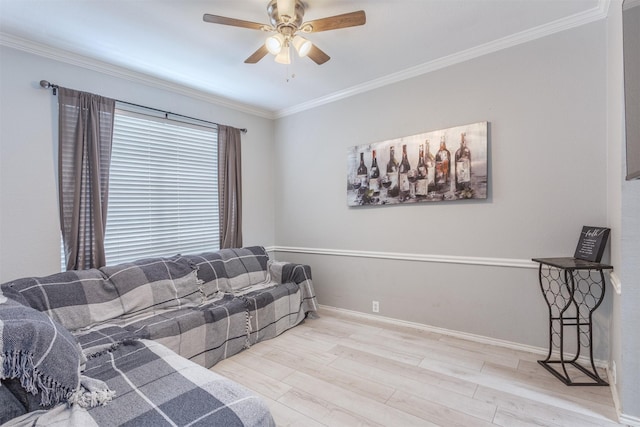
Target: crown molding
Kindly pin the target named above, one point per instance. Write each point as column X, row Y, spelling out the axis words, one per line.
column 631, row 3
column 67, row 57
column 597, row 13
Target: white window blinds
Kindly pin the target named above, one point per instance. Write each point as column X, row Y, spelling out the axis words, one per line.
column 163, row 189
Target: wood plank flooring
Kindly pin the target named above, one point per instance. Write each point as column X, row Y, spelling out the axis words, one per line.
column 346, row 370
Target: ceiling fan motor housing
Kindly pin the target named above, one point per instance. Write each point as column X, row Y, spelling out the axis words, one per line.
column 285, row 24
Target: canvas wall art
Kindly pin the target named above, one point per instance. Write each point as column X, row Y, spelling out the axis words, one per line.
column 442, row 165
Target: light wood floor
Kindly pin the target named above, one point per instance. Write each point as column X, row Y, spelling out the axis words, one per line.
column 345, row 370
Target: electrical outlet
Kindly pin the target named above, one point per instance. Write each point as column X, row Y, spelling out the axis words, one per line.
column 375, row 307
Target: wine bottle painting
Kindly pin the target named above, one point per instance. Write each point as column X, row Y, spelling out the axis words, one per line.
column 447, row 164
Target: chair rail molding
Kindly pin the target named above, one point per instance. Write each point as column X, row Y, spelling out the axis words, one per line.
column 615, row 282
column 446, row 259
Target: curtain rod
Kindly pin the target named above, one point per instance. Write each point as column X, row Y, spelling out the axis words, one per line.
column 46, row 85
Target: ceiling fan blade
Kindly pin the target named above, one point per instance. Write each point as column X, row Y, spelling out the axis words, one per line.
column 317, row 55
column 257, row 55
column 215, row 19
column 351, row 19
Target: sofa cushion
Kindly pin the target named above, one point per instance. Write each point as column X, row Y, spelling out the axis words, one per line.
column 75, row 299
column 39, row 352
column 245, row 266
column 155, row 284
column 204, row 334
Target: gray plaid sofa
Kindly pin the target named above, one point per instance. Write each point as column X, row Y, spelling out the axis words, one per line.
column 149, row 328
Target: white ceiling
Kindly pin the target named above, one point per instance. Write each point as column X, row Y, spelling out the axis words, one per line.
column 168, row 40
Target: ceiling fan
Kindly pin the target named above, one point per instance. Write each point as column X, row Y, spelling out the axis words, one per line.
column 286, row 22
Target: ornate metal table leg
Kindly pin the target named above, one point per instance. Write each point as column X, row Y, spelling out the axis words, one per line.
column 588, row 294
column 558, row 298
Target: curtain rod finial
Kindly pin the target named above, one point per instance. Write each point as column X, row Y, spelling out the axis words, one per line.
column 45, row 84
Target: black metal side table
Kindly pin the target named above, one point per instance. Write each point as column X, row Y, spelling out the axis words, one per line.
column 573, row 289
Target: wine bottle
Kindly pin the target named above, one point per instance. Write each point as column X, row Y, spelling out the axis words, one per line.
column 421, row 183
column 403, row 174
column 374, row 175
column 463, row 165
column 363, row 176
column 443, row 167
column 431, row 169
column 392, row 174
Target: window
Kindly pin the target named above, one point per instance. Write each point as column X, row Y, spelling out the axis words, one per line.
column 163, row 189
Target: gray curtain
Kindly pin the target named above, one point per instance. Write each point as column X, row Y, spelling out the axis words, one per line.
column 84, row 155
column 229, row 187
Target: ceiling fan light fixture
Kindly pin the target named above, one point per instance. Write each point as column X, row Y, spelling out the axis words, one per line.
column 275, row 43
column 302, row 45
column 284, row 57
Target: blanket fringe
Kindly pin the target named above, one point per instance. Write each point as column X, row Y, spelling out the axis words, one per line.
column 245, row 301
column 247, row 342
column 91, row 393
column 20, row 365
column 203, row 294
column 109, row 348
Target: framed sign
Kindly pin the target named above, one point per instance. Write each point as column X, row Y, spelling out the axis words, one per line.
column 442, row 165
column 591, row 244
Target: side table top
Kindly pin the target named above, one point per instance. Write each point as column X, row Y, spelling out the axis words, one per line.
column 569, row 263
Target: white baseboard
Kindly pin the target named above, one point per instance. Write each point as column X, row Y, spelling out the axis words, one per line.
column 614, row 393
column 629, row 420
column 462, row 335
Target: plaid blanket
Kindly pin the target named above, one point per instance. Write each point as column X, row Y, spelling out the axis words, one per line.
column 155, row 387
column 84, row 298
column 37, row 351
column 43, row 360
column 218, row 329
column 279, row 299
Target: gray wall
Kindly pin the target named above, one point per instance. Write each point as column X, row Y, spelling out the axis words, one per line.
column 29, row 227
column 545, row 101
